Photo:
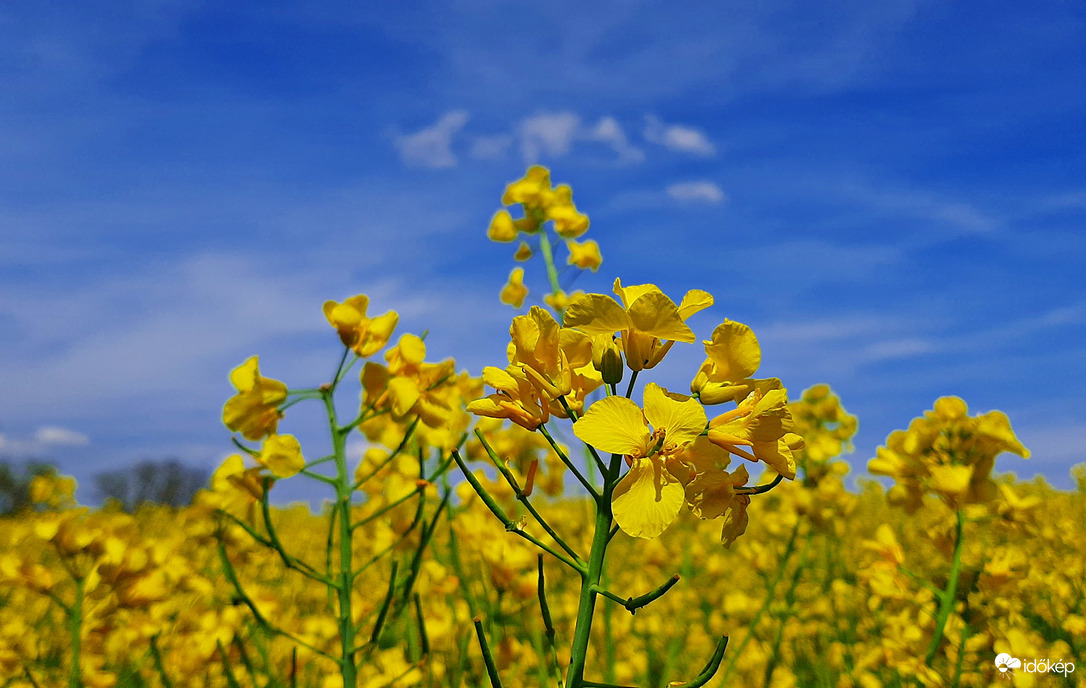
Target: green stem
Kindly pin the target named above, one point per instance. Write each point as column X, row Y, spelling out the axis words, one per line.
column 961, row 657
column 632, row 604
column 511, row 480
column 156, row 655
column 590, row 580
column 488, row 657
column 379, row 625
column 946, row 601
column 552, row 271
column 790, row 600
column 548, row 625
column 75, row 628
column 710, row 669
column 511, row 525
column 227, row 668
column 565, row 459
column 424, row 639
column 290, row 561
column 348, row 670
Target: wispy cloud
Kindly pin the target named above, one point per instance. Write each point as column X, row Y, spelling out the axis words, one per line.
column 53, row 434
column 432, row 146
column 935, row 207
column 44, row 439
column 608, row 131
column 696, row 192
column 491, row 147
column 550, row 133
column 1059, row 445
column 892, row 349
column 678, row 137
column 554, row 134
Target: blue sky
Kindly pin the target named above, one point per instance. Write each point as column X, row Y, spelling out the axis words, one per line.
column 892, row 194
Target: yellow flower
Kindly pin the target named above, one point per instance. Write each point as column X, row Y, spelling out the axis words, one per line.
column 568, row 222
column 649, row 322
column 410, row 385
column 547, row 353
column 515, row 398
column 559, row 300
column 282, row 455
column 530, row 189
column 762, row 422
column 502, row 228
column 541, row 203
column 235, row 488
column 709, row 487
column 254, row 410
column 514, row 292
column 649, row 496
column 733, row 355
column 524, row 252
column 364, row 335
column 948, row 452
column 585, row 255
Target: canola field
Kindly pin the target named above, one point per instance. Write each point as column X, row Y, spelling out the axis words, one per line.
column 562, row 520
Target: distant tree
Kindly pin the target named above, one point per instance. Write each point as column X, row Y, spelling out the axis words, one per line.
column 15, row 479
column 168, row 482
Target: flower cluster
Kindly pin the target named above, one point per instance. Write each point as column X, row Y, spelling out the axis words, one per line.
column 542, row 206
column 948, row 453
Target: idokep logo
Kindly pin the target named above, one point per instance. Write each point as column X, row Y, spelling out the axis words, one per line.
column 1006, row 665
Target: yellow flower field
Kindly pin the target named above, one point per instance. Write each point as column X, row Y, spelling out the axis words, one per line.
column 562, row 520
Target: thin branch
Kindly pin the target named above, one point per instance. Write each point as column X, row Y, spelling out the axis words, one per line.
column 377, row 469
column 379, row 625
column 760, row 489
column 569, row 464
column 523, row 498
column 510, row 525
column 710, row 669
column 290, row 561
column 231, row 576
column 488, row 658
column 632, row 604
column 548, row 625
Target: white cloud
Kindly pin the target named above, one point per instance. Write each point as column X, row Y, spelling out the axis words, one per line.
column 490, row 147
column 432, row 147
column 52, row 434
column 696, row 192
column 44, row 439
column 931, row 206
column 608, row 131
column 1055, row 444
column 678, row 137
column 892, row 349
column 554, row 133
column 550, row 133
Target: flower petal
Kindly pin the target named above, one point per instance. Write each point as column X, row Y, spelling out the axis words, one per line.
column 596, row 314
column 681, row 417
column 614, row 425
column 694, row 301
column 735, row 351
column 647, row 499
column 655, row 314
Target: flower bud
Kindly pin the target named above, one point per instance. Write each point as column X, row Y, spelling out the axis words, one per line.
column 607, row 359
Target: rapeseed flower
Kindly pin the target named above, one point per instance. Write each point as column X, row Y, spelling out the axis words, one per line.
column 514, row 292
column 647, row 320
column 365, row 336
column 649, row 496
column 254, row 410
